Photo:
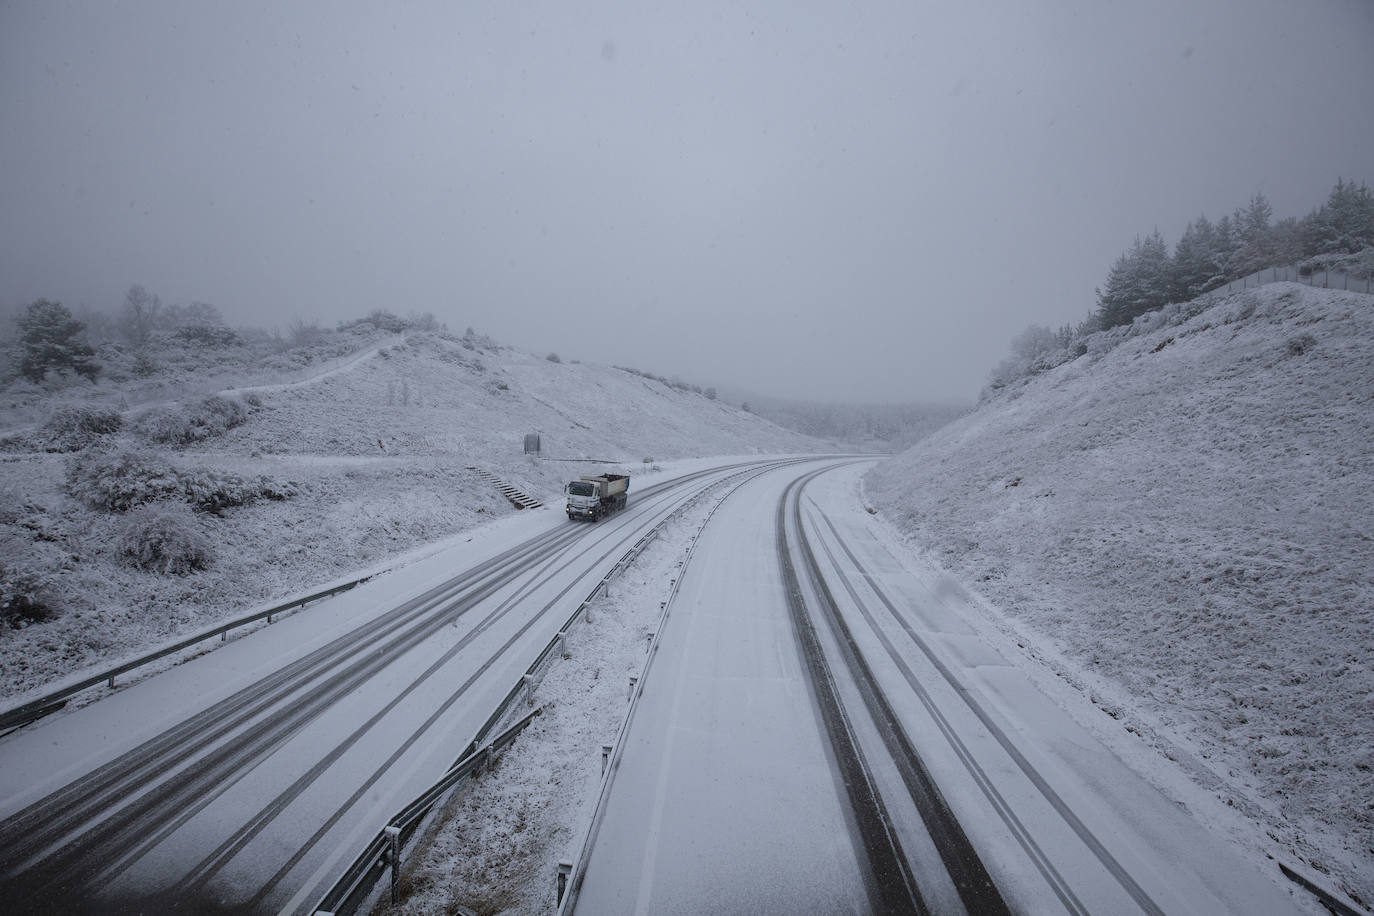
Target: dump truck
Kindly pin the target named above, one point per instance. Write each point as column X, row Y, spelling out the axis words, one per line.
column 593, row 497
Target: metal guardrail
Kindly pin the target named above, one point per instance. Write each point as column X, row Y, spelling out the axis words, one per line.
column 51, row 702
column 1328, row 899
column 383, row 854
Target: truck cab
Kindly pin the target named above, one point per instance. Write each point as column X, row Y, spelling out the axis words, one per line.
column 593, row 497
column 584, row 499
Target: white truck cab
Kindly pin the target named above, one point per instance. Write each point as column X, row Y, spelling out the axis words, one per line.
column 593, row 497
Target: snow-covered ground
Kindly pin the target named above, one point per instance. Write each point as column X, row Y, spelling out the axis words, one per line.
column 1178, row 525
column 1175, row 525
column 377, row 450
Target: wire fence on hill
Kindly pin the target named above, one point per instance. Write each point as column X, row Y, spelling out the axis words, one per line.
column 1325, row 279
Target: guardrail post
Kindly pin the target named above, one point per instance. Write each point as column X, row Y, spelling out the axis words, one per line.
column 112, row 677
column 528, row 681
column 483, row 762
column 587, row 611
column 563, row 645
column 633, row 681
column 605, row 757
column 649, row 641
column 393, row 834
column 564, row 870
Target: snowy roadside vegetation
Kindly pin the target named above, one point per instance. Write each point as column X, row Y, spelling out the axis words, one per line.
column 1178, row 521
column 130, row 515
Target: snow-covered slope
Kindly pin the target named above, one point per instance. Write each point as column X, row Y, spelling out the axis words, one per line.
column 1180, row 522
column 429, row 395
column 379, row 453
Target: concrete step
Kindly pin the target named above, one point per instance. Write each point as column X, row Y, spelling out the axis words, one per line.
column 518, row 498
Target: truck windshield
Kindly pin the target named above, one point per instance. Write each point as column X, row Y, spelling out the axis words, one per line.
column 581, row 488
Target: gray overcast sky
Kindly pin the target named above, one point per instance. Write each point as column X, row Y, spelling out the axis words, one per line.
column 817, row 200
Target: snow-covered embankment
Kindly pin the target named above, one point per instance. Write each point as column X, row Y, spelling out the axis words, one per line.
column 1179, row 523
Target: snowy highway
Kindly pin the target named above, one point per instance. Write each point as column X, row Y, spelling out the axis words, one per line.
column 247, row 779
column 823, row 732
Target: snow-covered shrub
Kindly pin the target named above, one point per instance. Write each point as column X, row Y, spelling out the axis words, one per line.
column 25, row 597
column 220, row 413
column 211, row 491
column 207, row 335
column 380, row 319
column 305, row 333
column 276, row 490
column 28, row 593
column 1036, row 349
column 119, row 481
column 164, row 538
column 73, row 428
column 144, row 365
column 193, row 423
column 1299, row 345
column 161, row 424
column 553, row 358
column 1359, row 266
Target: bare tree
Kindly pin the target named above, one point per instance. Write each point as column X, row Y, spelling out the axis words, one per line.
column 140, row 315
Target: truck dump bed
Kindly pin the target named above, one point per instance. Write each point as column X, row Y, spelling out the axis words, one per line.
column 611, row 484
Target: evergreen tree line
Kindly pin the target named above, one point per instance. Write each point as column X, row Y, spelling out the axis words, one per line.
column 1210, row 255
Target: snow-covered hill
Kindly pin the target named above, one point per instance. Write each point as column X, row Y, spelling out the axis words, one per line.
column 1179, row 522
column 375, row 458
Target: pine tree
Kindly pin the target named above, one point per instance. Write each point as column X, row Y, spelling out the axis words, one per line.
column 1113, row 301
column 1154, row 272
column 1344, row 224
column 50, row 341
column 1288, row 241
column 1138, row 283
column 1223, row 253
column 1192, row 263
column 1256, row 250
